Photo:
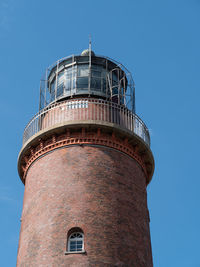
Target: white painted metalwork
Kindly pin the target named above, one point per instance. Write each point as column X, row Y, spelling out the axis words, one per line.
column 86, row 110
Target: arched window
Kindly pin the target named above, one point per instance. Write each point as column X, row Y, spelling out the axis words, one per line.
column 76, row 242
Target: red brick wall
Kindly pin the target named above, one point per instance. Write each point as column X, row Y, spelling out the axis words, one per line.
column 98, row 189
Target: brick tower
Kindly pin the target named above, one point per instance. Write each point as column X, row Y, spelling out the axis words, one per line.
column 85, row 163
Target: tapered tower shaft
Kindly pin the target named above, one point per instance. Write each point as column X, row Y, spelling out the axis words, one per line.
column 85, row 163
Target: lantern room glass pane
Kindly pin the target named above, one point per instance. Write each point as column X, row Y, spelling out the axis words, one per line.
column 83, row 70
column 82, row 82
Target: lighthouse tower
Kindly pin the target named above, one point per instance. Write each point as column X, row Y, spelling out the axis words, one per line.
column 85, row 163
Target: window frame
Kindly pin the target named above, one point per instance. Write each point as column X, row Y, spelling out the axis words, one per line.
column 82, row 251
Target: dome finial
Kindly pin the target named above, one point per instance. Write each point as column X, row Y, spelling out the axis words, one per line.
column 88, row 52
column 90, row 43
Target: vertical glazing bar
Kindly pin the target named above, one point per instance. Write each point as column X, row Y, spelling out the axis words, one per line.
column 72, row 77
column 111, row 85
column 90, row 63
column 56, row 80
column 124, row 91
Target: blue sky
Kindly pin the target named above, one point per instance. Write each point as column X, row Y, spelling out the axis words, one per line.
column 159, row 42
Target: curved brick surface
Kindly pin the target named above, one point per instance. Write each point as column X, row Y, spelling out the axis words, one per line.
column 98, row 189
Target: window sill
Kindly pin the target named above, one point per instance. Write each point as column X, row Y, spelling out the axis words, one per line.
column 75, row 252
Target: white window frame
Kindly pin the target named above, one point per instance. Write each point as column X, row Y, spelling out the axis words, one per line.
column 75, row 239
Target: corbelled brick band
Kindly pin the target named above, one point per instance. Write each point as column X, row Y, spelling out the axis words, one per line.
column 97, row 188
column 82, row 138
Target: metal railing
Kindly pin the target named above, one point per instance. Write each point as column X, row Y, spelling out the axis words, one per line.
column 84, row 110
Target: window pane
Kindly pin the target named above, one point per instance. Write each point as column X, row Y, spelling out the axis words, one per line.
column 83, row 70
column 96, row 73
column 69, row 73
column 60, row 90
column 96, row 83
column 68, row 84
column 82, row 82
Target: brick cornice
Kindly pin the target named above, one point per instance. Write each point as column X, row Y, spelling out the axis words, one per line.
column 80, row 138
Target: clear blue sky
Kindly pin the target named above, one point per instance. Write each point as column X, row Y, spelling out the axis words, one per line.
column 159, row 42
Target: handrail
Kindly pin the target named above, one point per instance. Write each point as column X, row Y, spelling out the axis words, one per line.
column 86, row 109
